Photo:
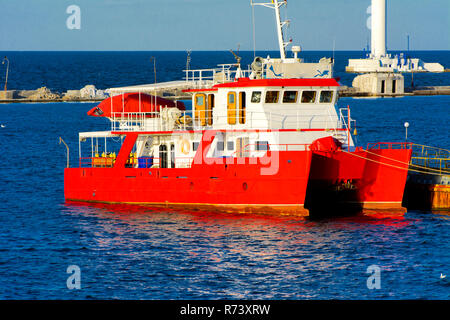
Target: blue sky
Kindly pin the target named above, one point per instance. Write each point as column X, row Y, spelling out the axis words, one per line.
column 215, row 25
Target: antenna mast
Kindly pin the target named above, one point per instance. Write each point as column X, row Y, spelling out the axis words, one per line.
column 276, row 5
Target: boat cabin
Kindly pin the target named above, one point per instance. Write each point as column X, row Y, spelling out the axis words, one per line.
column 248, row 118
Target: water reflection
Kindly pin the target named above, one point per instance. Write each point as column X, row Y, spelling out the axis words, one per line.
column 198, row 254
column 252, row 237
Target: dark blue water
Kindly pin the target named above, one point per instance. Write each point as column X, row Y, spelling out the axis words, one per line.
column 61, row 71
column 128, row 252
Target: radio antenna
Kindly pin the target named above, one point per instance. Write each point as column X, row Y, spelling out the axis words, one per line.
column 276, row 4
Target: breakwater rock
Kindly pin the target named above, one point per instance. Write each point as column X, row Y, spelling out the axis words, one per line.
column 44, row 94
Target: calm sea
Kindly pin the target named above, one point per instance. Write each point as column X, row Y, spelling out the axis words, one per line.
column 61, row 71
column 128, row 252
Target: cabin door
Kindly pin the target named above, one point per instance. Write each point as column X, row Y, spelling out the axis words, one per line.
column 163, row 156
column 242, row 147
column 172, row 155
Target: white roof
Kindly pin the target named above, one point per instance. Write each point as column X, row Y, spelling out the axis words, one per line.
column 181, row 84
column 96, row 134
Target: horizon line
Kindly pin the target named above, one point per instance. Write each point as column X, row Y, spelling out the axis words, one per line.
column 224, row 50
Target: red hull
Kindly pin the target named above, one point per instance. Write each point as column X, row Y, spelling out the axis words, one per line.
column 281, row 181
column 364, row 179
column 226, row 186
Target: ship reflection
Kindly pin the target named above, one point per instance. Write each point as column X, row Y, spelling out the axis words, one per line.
column 206, row 252
column 137, row 215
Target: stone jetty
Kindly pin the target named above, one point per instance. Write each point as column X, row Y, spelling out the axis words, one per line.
column 44, row 94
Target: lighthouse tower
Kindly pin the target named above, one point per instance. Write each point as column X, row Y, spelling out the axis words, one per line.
column 378, row 28
column 381, row 73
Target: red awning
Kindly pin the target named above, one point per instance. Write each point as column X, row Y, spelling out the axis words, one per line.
column 133, row 102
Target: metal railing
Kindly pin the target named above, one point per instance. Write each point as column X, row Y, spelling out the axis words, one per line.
column 202, row 78
column 255, row 147
column 389, row 145
column 345, row 122
column 431, row 158
column 151, row 121
column 182, row 121
column 248, row 151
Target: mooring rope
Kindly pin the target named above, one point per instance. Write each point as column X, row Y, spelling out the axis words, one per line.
column 410, row 164
column 392, row 166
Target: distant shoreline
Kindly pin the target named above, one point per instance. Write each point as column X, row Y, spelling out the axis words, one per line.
column 345, row 93
column 224, row 50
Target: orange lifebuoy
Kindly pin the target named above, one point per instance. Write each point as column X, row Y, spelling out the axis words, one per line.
column 185, row 146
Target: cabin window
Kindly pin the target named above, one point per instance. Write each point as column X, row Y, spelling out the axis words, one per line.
column 290, row 97
column 163, row 156
column 242, row 107
column 256, row 97
column 272, row 96
column 309, row 96
column 209, row 109
column 195, row 145
column 220, row 145
column 172, row 155
column 326, row 96
column 262, row 145
column 231, row 108
column 200, row 100
column 200, row 108
column 230, row 145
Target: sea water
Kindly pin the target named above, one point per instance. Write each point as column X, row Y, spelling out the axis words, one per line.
column 132, row 252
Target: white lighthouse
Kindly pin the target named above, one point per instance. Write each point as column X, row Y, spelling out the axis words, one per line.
column 379, row 60
column 378, row 28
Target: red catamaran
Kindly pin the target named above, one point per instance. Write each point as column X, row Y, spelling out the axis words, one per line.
column 267, row 139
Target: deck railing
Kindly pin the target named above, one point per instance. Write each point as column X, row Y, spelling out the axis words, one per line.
column 249, row 151
column 431, row 158
column 389, row 145
column 182, row 121
column 203, row 78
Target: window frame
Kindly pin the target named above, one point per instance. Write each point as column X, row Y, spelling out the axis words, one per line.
column 264, row 143
column 242, row 113
column 277, row 96
column 220, row 145
column 200, row 110
column 253, row 95
column 314, row 100
column 231, row 108
column 332, row 96
column 290, row 102
column 209, row 109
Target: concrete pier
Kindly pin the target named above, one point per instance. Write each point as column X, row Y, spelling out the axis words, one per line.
column 417, row 91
